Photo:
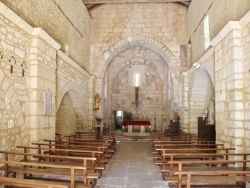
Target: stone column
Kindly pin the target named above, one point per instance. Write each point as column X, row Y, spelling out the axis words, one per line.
column 229, row 86
column 42, row 77
column 91, row 103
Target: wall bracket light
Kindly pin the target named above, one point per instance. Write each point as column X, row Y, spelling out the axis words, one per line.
column 196, row 65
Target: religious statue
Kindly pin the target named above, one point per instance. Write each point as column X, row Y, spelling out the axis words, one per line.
column 211, row 119
column 205, row 115
column 97, row 101
column 175, row 111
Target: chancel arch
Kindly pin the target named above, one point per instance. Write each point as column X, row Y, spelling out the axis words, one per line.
column 139, row 40
column 202, row 93
column 120, row 83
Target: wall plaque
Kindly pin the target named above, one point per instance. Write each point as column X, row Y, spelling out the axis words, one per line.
column 47, row 102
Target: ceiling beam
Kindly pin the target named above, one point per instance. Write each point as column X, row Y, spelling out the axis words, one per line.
column 132, row 1
column 93, row 7
column 182, row 4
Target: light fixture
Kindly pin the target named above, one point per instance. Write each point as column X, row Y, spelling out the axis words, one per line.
column 196, row 65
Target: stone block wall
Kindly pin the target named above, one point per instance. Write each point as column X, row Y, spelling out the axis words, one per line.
column 112, row 23
column 219, row 15
column 226, row 63
column 66, row 117
column 73, row 81
column 152, row 88
column 155, row 27
column 71, row 29
column 246, row 73
column 42, row 59
column 22, row 91
column 14, row 129
column 40, row 66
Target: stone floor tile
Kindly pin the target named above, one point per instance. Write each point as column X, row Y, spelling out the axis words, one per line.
column 132, row 166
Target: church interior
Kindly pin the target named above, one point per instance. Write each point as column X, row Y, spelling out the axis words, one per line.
column 139, row 68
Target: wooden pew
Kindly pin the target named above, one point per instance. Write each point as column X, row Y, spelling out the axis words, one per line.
column 163, row 162
column 178, row 145
column 217, row 176
column 180, row 136
column 110, row 135
column 163, row 151
column 9, row 181
column 104, row 149
column 97, row 165
column 194, row 166
column 23, row 167
column 187, row 145
column 104, row 143
column 169, row 157
column 52, row 159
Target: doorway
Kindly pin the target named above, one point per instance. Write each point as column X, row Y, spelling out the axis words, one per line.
column 118, row 119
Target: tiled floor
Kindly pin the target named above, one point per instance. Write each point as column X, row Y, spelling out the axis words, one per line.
column 132, row 166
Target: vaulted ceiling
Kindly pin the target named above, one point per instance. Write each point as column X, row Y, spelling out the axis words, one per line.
column 93, row 4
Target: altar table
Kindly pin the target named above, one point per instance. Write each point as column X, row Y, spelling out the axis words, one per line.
column 141, row 123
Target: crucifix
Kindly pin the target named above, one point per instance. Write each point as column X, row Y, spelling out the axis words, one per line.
column 136, row 101
column 12, row 63
column 23, row 65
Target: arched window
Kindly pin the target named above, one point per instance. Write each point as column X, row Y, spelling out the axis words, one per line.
column 137, row 79
column 206, row 32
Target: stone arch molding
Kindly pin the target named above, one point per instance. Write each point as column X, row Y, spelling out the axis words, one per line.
column 202, row 91
column 134, row 40
column 146, row 63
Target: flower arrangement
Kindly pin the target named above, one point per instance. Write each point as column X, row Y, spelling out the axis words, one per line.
column 98, row 118
column 177, row 117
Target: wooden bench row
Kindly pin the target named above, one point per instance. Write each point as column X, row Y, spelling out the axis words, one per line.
column 71, row 164
column 187, row 161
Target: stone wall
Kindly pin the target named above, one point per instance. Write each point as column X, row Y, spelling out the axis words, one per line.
column 226, row 63
column 14, row 96
column 22, row 111
column 42, row 59
column 71, row 29
column 114, row 22
column 150, row 27
column 152, row 87
column 40, row 66
column 246, row 73
column 219, row 15
column 66, row 117
column 73, row 81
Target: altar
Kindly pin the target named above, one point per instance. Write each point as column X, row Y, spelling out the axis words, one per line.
column 131, row 124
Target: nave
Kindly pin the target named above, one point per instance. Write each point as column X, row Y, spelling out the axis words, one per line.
column 132, row 166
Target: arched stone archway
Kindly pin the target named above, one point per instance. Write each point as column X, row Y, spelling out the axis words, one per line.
column 70, row 114
column 202, row 93
column 121, row 91
column 139, row 40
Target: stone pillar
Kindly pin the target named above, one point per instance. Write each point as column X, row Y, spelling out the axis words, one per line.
column 184, row 121
column 42, row 77
column 229, row 86
column 91, row 103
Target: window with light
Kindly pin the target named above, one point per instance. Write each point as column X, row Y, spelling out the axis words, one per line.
column 206, row 32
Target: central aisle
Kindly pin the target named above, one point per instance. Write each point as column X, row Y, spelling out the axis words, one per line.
column 132, row 166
